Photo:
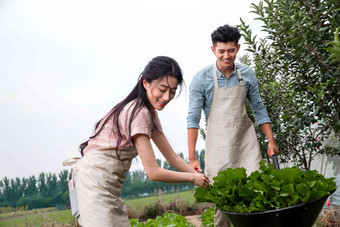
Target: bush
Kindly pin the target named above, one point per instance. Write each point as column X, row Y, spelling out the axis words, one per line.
column 32, row 202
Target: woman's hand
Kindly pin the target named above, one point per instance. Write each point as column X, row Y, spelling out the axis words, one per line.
column 200, row 180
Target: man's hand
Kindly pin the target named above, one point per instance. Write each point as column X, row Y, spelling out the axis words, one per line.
column 195, row 164
column 272, row 149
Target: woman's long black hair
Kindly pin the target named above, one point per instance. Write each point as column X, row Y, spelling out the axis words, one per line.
column 156, row 69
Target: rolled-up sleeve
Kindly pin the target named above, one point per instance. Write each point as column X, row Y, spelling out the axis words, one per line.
column 257, row 106
column 196, row 102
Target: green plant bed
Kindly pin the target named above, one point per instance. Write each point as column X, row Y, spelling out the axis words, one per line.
column 167, row 220
column 208, row 217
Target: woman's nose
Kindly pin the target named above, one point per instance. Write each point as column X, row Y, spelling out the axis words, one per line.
column 167, row 96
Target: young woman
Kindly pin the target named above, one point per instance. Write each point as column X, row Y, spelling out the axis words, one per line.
column 120, row 136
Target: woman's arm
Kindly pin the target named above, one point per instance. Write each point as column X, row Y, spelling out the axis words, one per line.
column 165, row 148
column 155, row 173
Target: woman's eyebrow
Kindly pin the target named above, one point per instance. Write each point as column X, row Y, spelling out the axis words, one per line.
column 166, row 86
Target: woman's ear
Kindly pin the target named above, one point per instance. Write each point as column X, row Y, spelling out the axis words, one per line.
column 145, row 84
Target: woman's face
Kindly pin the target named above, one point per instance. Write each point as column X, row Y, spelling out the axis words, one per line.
column 161, row 92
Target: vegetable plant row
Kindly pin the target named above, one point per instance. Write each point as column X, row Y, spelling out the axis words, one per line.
column 167, row 220
column 266, row 189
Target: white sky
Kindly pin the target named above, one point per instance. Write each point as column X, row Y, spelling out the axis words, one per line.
column 65, row 64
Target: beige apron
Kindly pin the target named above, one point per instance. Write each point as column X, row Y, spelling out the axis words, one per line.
column 231, row 140
column 100, row 177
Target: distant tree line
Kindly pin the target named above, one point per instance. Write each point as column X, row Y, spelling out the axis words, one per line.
column 46, row 190
column 51, row 190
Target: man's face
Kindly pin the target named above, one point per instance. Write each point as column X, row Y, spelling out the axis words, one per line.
column 225, row 54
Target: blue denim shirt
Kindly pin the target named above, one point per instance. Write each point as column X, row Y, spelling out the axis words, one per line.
column 201, row 91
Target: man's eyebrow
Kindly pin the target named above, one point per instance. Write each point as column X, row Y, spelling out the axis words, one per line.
column 233, row 48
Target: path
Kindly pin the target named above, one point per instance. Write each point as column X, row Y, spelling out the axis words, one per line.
column 194, row 220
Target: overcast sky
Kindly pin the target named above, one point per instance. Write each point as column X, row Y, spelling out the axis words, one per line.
column 65, row 64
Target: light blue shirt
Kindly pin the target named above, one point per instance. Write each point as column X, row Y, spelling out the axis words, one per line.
column 201, row 92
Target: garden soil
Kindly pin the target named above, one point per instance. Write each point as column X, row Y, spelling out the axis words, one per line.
column 194, row 220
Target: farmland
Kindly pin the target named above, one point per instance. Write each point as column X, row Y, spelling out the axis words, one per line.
column 54, row 217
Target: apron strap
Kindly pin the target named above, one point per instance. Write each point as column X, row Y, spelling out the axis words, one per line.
column 240, row 79
column 215, row 76
column 71, row 161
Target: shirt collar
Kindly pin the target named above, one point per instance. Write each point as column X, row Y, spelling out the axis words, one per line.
column 219, row 74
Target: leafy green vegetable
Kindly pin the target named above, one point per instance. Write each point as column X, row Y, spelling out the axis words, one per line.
column 208, row 217
column 264, row 190
column 167, row 220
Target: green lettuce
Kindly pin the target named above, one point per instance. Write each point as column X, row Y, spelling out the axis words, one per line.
column 167, row 220
column 266, row 189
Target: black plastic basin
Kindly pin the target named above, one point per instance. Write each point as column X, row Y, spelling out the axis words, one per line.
column 302, row 215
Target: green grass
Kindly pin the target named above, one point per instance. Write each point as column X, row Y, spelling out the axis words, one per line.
column 18, row 213
column 51, row 216
column 6, row 209
column 140, row 203
column 40, row 219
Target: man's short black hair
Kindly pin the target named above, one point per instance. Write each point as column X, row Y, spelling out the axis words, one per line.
column 225, row 34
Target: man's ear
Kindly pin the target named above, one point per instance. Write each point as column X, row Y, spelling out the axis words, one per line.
column 213, row 49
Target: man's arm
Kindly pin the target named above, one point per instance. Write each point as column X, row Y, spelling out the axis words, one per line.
column 196, row 102
column 272, row 148
column 192, row 140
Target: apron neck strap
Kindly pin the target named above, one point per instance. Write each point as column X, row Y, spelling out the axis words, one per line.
column 215, row 76
column 240, row 79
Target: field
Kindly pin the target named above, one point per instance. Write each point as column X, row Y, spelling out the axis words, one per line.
column 49, row 217
column 37, row 217
column 53, row 217
column 140, row 203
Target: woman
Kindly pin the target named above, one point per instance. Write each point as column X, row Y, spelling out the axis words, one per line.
column 121, row 135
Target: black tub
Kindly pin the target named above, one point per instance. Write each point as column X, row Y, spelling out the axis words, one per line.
column 302, row 215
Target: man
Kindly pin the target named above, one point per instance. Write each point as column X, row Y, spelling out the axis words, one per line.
column 221, row 90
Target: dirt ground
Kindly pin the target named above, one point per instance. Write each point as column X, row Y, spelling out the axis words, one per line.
column 194, row 220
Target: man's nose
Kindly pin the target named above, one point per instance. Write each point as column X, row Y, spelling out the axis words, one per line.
column 226, row 54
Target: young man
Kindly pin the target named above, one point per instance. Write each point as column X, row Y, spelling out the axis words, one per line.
column 221, row 90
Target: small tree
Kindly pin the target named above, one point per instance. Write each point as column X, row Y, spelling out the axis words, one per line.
column 32, row 188
column 298, row 84
column 63, row 181
column 334, row 49
column 42, row 186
